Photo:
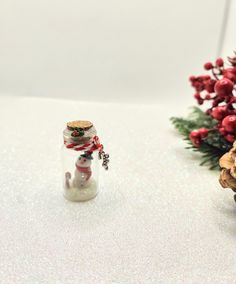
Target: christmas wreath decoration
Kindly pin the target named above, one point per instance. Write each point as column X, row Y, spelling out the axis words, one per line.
column 212, row 131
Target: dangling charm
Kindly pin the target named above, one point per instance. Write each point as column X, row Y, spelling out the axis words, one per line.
column 105, row 159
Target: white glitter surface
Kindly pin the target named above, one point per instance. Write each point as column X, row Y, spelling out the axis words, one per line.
column 158, row 218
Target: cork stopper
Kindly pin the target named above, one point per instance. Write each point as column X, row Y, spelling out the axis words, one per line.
column 79, row 124
column 79, row 132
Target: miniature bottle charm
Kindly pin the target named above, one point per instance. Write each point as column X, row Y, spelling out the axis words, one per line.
column 81, row 152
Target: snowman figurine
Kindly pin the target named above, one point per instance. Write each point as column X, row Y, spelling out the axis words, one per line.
column 83, row 170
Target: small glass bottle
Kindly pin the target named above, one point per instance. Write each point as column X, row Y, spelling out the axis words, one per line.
column 80, row 154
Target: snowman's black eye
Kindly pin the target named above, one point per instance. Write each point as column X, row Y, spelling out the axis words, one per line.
column 84, row 160
column 79, row 158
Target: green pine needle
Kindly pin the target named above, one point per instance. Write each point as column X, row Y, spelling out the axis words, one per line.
column 213, row 146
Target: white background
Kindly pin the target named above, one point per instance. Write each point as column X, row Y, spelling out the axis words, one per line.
column 159, row 217
column 229, row 38
column 127, row 50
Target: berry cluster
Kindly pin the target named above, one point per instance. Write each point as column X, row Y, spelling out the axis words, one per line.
column 197, row 135
column 77, row 132
column 218, row 90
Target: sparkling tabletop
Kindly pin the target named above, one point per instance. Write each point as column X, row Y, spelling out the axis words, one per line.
column 159, row 217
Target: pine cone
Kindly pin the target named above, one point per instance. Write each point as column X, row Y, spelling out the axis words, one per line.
column 228, row 169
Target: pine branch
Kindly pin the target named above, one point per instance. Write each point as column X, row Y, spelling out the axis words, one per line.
column 213, row 146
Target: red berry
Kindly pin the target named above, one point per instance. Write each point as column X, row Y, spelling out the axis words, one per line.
column 194, row 134
column 229, row 123
column 232, row 60
column 195, row 138
column 208, row 66
column 230, row 73
column 209, row 85
column 192, row 78
column 222, row 131
column 230, row 138
column 198, row 85
column 197, row 96
column 219, row 62
column 75, row 133
column 205, row 77
column 233, row 100
column 203, row 132
column 219, row 112
column 196, row 142
column 224, row 87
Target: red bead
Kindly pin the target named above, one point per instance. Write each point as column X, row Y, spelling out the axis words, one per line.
column 219, row 62
column 229, row 123
column 224, row 87
column 203, row 132
column 219, row 112
column 208, row 66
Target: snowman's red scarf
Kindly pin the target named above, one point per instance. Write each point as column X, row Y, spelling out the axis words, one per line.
column 85, row 170
column 92, row 145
